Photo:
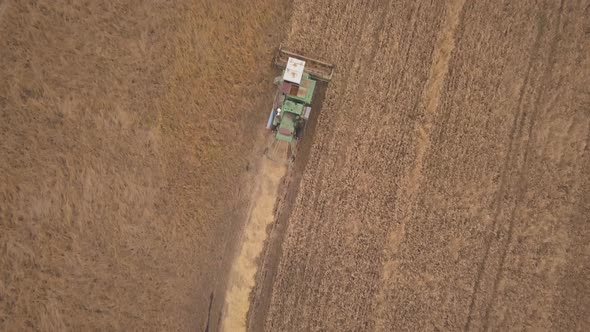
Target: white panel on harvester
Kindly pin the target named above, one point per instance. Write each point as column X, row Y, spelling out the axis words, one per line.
column 294, row 70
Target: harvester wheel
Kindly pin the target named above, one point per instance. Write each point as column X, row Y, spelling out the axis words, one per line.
column 299, row 132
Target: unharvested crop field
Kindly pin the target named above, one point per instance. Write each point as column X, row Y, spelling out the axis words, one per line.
column 448, row 185
column 126, row 135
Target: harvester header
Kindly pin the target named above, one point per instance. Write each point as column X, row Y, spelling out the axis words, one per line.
column 319, row 70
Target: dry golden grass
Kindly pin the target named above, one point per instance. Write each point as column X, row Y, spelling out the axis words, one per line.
column 448, row 184
column 125, row 129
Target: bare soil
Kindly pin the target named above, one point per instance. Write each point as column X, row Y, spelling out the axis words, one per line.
column 127, row 130
column 448, row 184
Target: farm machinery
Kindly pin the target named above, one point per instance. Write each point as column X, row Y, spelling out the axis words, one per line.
column 292, row 102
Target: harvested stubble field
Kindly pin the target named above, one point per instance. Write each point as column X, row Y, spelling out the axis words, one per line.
column 448, row 185
column 126, row 129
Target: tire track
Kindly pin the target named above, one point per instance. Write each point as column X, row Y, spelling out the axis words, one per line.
column 521, row 184
column 514, row 134
column 207, row 324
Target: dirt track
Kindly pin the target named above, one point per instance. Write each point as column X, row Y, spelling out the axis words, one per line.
column 448, row 184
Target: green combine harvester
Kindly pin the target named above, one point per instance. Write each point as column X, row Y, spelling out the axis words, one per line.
column 292, row 103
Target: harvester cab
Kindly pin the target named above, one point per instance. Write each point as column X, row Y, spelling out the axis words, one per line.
column 292, row 103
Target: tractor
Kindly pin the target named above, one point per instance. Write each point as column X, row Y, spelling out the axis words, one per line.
column 292, row 103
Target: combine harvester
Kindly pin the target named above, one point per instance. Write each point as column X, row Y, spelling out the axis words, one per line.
column 292, row 103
